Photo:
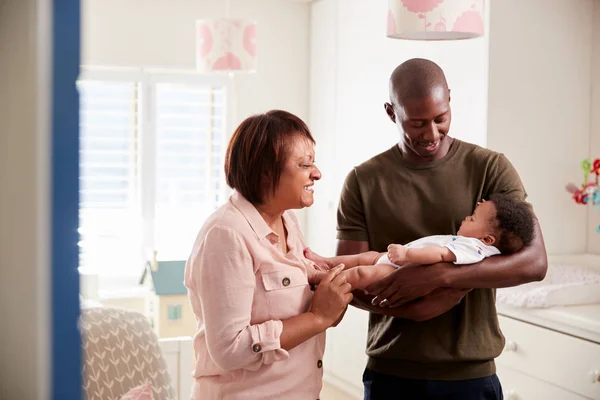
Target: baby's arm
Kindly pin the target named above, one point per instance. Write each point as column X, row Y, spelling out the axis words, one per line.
column 399, row 254
column 363, row 276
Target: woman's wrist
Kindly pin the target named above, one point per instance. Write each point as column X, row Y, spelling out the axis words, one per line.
column 319, row 322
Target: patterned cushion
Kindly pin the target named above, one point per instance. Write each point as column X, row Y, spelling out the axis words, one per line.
column 121, row 352
column 142, row 392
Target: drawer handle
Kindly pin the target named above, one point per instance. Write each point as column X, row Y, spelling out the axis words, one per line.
column 510, row 346
column 512, row 395
column 595, row 376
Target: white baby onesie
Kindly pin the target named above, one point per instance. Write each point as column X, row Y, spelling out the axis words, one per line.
column 467, row 250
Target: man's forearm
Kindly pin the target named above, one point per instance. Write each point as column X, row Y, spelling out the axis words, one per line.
column 493, row 272
column 419, row 311
column 363, row 302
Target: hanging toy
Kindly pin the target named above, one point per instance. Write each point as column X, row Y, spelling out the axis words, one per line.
column 596, row 194
column 586, row 165
column 596, row 168
column 589, row 192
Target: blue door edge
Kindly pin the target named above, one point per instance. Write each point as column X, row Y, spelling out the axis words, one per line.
column 66, row 382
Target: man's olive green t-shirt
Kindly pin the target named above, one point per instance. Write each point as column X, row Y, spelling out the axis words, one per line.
column 386, row 200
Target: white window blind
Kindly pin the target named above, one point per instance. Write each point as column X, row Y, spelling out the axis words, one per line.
column 109, row 215
column 136, row 198
column 189, row 136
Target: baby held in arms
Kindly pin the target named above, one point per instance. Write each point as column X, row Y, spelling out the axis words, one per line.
column 499, row 225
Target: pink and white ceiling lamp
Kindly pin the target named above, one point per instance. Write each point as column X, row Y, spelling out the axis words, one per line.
column 435, row 19
column 225, row 45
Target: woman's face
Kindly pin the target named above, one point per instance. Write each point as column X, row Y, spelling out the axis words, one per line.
column 296, row 185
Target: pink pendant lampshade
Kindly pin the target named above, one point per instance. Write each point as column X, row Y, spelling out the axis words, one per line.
column 435, row 19
column 225, row 45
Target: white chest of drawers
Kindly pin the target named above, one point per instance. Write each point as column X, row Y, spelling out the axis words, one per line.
column 554, row 353
column 545, row 364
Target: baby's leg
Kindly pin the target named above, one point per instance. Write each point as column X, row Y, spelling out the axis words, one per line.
column 363, row 276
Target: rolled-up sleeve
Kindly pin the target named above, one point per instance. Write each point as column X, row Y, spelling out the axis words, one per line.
column 351, row 220
column 504, row 178
column 224, row 281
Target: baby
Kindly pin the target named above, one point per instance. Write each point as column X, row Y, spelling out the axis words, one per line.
column 498, row 226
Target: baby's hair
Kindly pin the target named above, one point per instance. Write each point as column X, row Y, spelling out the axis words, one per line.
column 514, row 222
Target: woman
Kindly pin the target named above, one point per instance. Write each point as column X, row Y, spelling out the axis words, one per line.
column 260, row 327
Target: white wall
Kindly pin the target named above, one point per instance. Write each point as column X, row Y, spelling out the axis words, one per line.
column 593, row 237
column 160, row 33
column 540, row 75
column 351, row 60
column 24, row 198
column 539, row 106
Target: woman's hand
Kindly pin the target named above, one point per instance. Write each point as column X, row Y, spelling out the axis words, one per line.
column 331, row 297
column 323, row 263
column 315, row 276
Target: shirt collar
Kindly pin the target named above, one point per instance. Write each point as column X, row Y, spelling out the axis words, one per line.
column 256, row 221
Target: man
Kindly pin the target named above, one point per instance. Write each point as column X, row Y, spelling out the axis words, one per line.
column 425, row 186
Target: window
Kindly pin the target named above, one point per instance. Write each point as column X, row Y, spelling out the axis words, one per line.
column 189, row 165
column 109, row 228
column 174, row 312
column 151, row 168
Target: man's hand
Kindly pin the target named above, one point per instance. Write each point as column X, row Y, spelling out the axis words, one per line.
column 397, row 253
column 407, row 283
column 436, row 303
column 323, row 263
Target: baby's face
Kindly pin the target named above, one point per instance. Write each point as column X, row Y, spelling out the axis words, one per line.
column 481, row 223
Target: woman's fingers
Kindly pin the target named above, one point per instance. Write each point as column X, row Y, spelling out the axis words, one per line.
column 340, row 278
column 332, row 273
column 348, row 297
column 346, row 287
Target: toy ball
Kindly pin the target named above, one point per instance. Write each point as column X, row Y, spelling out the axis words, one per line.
column 572, row 188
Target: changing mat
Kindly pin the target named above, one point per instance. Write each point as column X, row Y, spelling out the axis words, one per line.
column 563, row 285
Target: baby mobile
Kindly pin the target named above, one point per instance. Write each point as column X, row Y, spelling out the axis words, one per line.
column 589, row 192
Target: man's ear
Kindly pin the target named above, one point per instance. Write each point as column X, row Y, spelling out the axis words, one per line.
column 389, row 110
column 489, row 240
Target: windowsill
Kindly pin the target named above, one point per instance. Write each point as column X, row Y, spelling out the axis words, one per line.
column 107, row 287
column 125, row 293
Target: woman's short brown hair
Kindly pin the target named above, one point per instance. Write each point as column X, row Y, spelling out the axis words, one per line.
column 258, row 150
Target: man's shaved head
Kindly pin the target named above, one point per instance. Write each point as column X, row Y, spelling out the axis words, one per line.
column 415, row 79
column 420, row 107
